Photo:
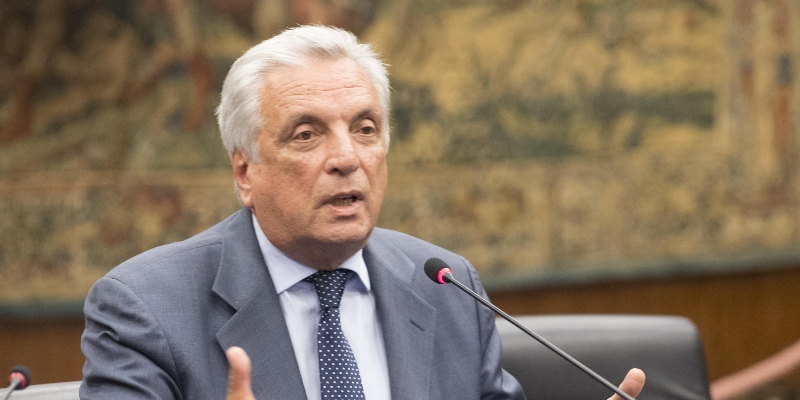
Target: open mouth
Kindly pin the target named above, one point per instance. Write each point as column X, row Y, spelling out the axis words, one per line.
column 344, row 201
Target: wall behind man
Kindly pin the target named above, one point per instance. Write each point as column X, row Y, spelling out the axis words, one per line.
column 550, row 142
column 542, row 140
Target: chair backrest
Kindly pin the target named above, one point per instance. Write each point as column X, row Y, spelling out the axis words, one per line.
column 666, row 348
column 48, row 391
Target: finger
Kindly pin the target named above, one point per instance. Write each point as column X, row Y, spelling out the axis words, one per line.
column 239, row 375
column 632, row 384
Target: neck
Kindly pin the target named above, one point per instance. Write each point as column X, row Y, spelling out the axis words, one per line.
column 315, row 253
column 320, row 256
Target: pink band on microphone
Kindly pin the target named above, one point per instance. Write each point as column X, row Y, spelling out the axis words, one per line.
column 440, row 275
column 23, row 383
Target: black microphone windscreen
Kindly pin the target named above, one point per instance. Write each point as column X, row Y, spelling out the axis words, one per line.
column 432, row 268
column 25, row 372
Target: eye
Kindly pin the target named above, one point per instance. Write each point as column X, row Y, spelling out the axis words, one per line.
column 304, row 135
column 367, row 130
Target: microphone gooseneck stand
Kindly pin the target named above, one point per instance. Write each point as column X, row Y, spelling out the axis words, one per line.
column 440, row 272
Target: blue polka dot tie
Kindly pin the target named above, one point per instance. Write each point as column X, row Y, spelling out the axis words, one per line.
column 338, row 372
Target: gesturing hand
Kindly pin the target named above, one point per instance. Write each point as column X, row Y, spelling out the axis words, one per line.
column 239, row 378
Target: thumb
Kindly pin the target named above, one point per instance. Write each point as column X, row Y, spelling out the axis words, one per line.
column 239, row 376
column 632, row 384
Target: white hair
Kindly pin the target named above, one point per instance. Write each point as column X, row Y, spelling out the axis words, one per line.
column 239, row 114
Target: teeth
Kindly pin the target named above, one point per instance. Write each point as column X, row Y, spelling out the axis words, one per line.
column 343, row 202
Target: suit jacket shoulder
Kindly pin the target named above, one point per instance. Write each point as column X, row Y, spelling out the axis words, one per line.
column 165, row 314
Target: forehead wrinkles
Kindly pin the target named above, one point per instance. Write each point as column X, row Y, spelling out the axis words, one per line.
column 293, row 87
column 300, row 95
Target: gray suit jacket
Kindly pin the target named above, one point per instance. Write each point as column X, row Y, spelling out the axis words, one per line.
column 158, row 324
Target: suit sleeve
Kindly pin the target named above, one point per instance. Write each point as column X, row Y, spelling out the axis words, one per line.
column 496, row 383
column 127, row 355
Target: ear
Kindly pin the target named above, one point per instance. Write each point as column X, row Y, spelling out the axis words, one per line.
column 241, row 175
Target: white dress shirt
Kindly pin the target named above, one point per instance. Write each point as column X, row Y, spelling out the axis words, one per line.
column 301, row 312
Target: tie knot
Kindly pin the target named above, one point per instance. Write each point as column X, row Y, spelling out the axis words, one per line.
column 330, row 286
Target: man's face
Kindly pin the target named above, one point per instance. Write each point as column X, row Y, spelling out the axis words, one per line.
column 322, row 172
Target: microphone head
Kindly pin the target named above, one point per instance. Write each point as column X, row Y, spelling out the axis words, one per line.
column 22, row 373
column 436, row 269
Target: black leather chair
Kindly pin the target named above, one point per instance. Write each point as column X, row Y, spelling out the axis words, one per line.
column 666, row 348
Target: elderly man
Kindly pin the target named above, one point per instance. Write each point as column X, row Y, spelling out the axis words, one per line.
column 307, row 297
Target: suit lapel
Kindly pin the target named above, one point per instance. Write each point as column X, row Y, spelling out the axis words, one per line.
column 407, row 321
column 257, row 325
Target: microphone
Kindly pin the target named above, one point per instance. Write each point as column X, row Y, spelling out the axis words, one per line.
column 440, row 272
column 19, row 378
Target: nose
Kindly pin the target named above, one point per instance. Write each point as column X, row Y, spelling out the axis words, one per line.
column 342, row 153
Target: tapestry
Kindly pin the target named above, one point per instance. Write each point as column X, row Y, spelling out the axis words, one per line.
column 546, row 141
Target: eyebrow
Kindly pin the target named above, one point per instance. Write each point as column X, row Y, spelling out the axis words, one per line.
column 306, row 119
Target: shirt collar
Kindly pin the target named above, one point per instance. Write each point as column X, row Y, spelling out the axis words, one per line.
column 286, row 272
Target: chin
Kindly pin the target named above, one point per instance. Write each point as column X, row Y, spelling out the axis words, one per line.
column 348, row 235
